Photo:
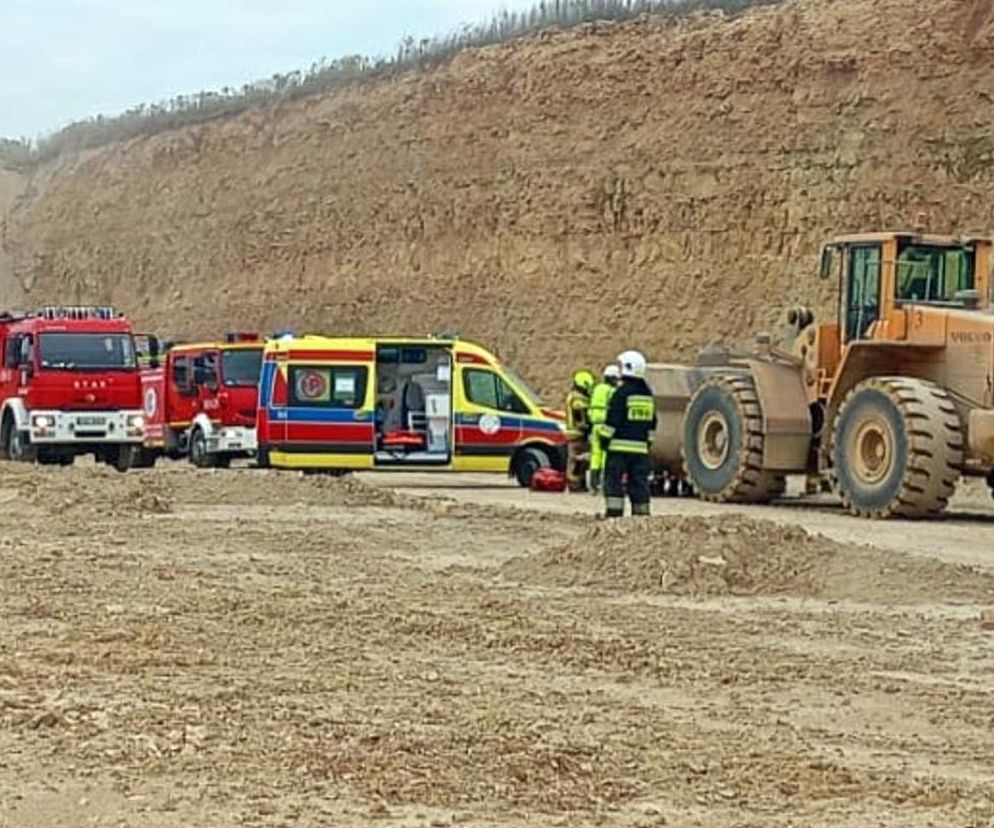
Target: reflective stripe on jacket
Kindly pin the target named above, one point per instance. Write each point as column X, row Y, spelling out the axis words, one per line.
column 631, row 418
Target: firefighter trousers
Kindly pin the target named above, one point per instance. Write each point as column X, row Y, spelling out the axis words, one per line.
column 597, row 457
column 576, row 464
column 632, row 471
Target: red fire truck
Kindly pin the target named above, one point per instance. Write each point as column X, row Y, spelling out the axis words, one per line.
column 70, row 385
column 201, row 403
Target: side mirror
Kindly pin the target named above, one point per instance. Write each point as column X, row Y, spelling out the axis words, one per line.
column 26, row 356
column 153, row 351
column 826, row 262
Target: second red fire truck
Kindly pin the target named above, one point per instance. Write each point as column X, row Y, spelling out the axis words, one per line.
column 201, row 402
column 70, row 385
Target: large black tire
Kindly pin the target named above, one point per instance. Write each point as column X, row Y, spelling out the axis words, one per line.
column 199, row 456
column 52, row 457
column 145, row 459
column 529, row 461
column 18, row 446
column 723, row 443
column 121, row 457
column 897, row 448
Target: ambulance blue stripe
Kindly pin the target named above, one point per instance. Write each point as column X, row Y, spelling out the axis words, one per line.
column 510, row 422
column 266, row 383
column 316, row 414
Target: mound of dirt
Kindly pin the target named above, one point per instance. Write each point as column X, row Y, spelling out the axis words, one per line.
column 92, row 489
column 733, row 555
column 100, row 490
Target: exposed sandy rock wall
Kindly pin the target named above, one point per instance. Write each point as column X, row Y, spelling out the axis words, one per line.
column 649, row 184
column 12, row 186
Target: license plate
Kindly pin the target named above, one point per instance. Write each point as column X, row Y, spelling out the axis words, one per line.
column 91, row 421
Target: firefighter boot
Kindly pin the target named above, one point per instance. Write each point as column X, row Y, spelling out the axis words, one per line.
column 594, row 481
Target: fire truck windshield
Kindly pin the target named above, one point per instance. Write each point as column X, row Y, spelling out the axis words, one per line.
column 86, row 351
column 241, row 368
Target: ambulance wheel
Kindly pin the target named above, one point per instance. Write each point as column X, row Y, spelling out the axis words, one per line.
column 527, row 462
column 19, row 448
column 199, row 456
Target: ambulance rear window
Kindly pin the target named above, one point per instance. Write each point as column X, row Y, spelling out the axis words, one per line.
column 339, row 386
column 413, row 356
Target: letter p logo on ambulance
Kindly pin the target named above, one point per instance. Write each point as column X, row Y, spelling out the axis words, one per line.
column 313, row 385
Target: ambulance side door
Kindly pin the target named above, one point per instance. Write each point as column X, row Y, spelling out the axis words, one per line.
column 488, row 419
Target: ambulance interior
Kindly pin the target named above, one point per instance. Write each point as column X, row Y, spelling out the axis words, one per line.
column 413, row 404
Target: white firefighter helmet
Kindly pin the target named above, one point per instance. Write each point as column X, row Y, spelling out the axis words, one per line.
column 611, row 372
column 632, row 364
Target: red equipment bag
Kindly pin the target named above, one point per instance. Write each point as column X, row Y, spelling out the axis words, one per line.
column 548, row 480
column 403, row 440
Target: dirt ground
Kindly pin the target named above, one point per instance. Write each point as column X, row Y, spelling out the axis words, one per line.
column 250, row 648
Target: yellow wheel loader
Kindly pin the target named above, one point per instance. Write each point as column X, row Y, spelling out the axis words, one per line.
column 892, row 401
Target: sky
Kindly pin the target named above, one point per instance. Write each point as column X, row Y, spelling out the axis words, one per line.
column 66, row 60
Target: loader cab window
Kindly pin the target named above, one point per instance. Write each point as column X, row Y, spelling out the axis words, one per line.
column 862, row 294
column 487, row 389
column 932, row 273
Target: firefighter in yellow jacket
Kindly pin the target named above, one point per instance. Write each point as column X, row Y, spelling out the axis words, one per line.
column 599, row 399
column 578, row 427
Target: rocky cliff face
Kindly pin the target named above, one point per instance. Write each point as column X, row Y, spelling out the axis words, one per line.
column 652, row 184
column 12, row 186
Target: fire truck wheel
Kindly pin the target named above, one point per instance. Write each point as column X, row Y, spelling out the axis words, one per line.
column 19, row 447
column 144, row 459
column 199, row 456
column 122, row 458
column 54, row 458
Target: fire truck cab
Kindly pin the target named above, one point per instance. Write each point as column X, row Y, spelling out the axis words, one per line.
column 391, row 403
column 70, row 385
column 201, row 403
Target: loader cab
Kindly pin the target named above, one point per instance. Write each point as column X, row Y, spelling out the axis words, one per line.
column 857, row 268
column 880, row 275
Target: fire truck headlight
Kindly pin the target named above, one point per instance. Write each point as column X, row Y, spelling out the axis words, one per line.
column 42, row 421
column 136, row 421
